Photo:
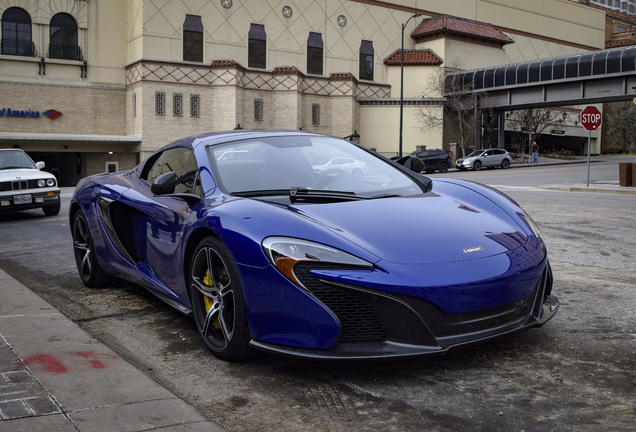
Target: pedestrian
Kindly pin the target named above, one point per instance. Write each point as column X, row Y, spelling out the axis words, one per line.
column 535, row 152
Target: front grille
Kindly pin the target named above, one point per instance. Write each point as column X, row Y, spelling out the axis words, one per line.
column 366, row 316
column 359, row 321
column 18, row 185
column 514, row 313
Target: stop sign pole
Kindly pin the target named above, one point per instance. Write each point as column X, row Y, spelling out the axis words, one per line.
column 591, row 119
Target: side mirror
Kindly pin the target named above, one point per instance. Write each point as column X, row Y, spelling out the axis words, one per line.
column 164, row 184
column 40, row 165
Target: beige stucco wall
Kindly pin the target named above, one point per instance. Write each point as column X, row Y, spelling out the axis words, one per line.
column 418, row 80
column 380, row 130
column 561, row 20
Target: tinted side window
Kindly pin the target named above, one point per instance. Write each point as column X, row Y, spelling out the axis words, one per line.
column 182, row 162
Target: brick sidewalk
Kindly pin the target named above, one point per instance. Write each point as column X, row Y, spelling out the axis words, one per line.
column 21, row 394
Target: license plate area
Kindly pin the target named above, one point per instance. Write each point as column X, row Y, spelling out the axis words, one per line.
column 22, row 199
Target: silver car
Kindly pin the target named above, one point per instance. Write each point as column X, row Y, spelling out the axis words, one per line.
column 488, row 158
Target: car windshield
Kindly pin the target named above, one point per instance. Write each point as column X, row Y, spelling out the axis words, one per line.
column 476, row 153
column 305, row 163
column 12, row 159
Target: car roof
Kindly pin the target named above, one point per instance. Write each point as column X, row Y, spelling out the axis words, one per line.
column 211, row 138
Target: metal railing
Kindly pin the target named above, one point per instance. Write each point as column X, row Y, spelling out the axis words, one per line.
column 65, row 52
column 18, row 47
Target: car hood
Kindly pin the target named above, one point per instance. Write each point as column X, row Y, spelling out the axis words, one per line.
column 23, row 174
column 424, row 229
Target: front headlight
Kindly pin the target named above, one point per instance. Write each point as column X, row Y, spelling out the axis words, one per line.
column 533, row 225
column 50, row 182
column 41, row 183
column 285, row 252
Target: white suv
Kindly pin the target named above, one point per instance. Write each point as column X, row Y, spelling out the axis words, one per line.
column 486, row 158
column 24, row 186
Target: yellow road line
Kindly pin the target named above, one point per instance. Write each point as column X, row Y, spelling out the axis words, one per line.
column 580, row 216
column 577, row 207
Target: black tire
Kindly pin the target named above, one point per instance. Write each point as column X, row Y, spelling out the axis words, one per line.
column 52, row 210
column 505, row 164
column 217, row 300
column 84, row 250
column 443, row 167
column 476, row 166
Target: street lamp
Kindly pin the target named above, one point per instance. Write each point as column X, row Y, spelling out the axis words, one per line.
column 355, row 137
column 402, row 81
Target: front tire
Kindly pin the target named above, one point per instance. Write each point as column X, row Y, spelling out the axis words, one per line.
column 477, row 166
column 217, row 300
column 52, row 210
column 84, row 250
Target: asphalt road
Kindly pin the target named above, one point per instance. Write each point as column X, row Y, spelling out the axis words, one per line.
column 577, row 373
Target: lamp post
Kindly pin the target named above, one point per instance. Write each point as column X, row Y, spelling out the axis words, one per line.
column 402, row 81
column 355, row 137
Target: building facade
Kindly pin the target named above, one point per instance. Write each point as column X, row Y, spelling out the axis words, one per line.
column 625, row 6
column 91, row 86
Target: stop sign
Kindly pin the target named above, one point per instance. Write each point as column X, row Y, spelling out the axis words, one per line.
column 591, row 118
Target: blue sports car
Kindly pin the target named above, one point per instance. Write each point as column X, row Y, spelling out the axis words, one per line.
column 239, row 230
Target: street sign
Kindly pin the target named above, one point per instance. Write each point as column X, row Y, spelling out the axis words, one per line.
column 591, row 118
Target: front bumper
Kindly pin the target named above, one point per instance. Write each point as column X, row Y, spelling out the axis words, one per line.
column 26, row 200
column 395, row 350
column 378, row 325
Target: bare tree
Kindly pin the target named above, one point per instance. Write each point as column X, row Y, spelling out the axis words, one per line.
column 450, row 103
column 531, row 123
column 621, row 124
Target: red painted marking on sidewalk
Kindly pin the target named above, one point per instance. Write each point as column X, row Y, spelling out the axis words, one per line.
column 51, row 363
column 95, row 363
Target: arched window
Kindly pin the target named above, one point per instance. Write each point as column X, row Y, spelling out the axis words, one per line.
column 16, row 33
column 63, row 43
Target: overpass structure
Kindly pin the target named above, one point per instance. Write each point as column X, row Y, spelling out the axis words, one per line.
column 596, row 77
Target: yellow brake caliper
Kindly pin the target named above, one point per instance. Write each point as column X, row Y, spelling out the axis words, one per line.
column 207, row 301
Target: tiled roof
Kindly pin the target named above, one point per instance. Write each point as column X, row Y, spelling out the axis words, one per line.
column 225, row 63
column 424, row 57
column 447, row 24
column 286, row 70
column 620, row 43
column 342, row 76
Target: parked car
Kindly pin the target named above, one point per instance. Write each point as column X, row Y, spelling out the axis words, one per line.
column 411, row 162
column 435, row 160
column 23, row 184
column 351, row 166
column 485, row 158
column 265, row 252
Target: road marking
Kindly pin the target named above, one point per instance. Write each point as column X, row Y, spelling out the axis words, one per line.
column 582, row 208
column 580, row 216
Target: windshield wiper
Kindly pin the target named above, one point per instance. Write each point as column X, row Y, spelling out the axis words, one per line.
column 305, row 194
column 302, row 194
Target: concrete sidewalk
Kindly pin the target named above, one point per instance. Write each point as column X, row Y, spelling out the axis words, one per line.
column 56, row 377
